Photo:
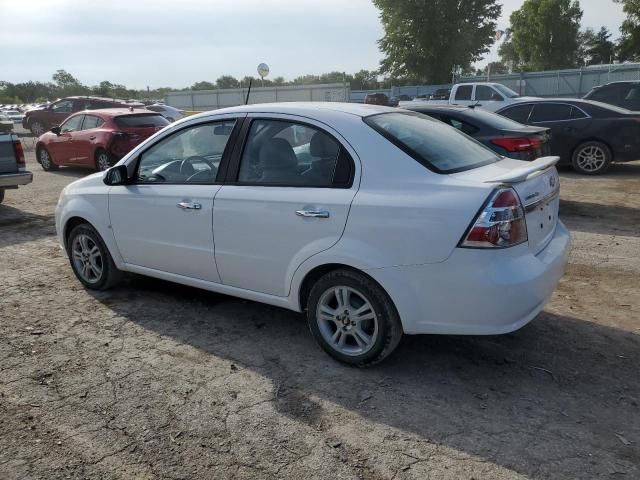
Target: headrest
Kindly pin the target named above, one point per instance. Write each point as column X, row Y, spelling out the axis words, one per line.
column 322, row 145
column 277, row 153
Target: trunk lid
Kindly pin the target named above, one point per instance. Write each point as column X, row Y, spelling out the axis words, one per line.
column 537, row 184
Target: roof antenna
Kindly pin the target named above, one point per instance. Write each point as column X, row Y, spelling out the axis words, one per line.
column 246, row 101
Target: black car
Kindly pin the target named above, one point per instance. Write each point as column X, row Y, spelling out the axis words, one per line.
column 620, row 94
column 585, row 134
column 504, row 136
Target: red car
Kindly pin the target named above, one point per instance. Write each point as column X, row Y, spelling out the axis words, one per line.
column 96, row 138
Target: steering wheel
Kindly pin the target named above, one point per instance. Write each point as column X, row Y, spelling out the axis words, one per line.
column 194, row 158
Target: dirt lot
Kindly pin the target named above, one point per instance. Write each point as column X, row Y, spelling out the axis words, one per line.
column 154, row 380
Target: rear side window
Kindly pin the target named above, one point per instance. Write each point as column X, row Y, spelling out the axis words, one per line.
column 91, row 121
column 519, row 113
column 141, row 120
column 431, row 142
column 461, row 125
column 550, row 112
column 576, row 113
column 464, row 92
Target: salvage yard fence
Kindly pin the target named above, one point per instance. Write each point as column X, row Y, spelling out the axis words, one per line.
column 203, row 100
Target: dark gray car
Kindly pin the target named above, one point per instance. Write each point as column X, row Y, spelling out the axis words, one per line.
column 502, row 135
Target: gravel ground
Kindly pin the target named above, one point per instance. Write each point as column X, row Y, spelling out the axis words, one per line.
column 155, row 380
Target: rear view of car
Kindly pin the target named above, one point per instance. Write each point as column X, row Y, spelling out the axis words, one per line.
column 376, row 99
column 132, row 129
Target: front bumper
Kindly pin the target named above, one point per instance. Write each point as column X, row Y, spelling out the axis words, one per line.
column 477, row 292
column 15, row 179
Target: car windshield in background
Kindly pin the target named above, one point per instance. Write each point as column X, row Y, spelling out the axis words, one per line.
column 506, row 91
column 494, row 120
column 434, row 144
column 141, row 121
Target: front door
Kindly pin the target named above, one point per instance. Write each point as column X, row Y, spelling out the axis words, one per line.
column 61, row 148
column 163, row 221
column 288, row 199
column 83, row 141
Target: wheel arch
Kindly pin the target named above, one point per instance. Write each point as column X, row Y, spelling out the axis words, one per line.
column 72, row 223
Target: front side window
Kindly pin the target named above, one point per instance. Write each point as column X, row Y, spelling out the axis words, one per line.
column 288, row 154
column 430, row 142
column 64, row 106
column 550, row 112
column 484, row 93
column 464, row 92
column 72, row 125
column 191, row 155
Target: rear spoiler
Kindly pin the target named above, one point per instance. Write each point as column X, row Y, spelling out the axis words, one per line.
column 533, row 169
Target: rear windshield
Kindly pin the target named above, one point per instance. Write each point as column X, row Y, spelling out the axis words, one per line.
column 141, row 120
column 435, row 145
column 493, row 119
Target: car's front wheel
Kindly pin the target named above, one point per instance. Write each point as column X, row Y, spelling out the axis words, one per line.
column 592, row 158
column 45, row 160
column 37, row 128
column 352, row 318
column 90, row 259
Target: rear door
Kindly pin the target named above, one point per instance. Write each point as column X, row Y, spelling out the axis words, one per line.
column 566, row 123
column 287, row 197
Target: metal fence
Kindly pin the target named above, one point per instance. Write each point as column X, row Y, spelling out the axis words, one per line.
column 203, row 100
column 573, row 83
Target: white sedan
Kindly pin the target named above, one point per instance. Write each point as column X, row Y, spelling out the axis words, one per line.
column 372, row 220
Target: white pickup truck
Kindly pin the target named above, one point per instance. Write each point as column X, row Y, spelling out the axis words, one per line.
column 13, row 171
column 490, row 96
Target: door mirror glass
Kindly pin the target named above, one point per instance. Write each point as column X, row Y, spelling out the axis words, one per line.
column 117, row 175
column 56, row 129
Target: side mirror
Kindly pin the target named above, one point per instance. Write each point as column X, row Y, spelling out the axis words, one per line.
column 55, row 129
column 117, row 175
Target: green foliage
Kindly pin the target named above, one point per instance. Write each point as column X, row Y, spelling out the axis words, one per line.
column 596, row 48
column 629, row 46
column 545, row 35
column 424, row 39
column 227, row 81
column 202, row 86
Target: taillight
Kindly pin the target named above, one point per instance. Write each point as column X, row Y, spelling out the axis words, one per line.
column 518, row 144
column 17, row 147
column 500, row 224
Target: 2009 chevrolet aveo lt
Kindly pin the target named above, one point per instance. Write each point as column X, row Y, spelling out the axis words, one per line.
column 372, row 220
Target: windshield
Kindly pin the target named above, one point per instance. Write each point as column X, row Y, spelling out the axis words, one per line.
column 506, row 91
column 435, row 145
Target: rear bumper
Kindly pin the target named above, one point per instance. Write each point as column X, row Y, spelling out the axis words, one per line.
column 477, row 292
column 15, row 179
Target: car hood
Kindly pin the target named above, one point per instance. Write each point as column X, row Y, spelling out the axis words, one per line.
column 91, row 182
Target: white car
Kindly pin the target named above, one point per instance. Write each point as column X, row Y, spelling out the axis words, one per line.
column 372, row 220
column 14, row 115
column 170, row 113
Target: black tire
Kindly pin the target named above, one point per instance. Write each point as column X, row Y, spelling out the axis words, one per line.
column 45, row 160
column 591, row 158
column 389, row 327
column 1, row 194
column 37, row 128
column 109, row 275
column 103, row 160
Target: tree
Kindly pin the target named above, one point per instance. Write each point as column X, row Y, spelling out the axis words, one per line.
column 629, row 46
column 595, row 48
column 202, row 86
column 424, row 39
column 227, row 81
column 544, row 35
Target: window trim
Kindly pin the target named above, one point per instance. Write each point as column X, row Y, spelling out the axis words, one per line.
column 233, row 170
column 231, row 143
column 572, row 106
column 73, row 118
column 94, row 116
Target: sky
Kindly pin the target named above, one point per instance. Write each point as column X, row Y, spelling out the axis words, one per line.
column 140, row 43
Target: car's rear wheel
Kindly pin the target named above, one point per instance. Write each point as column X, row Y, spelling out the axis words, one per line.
column 103, row 160
column 45, row 160
column 90, row 259
column 352, row 318
column 37, row 128
column 592, row 158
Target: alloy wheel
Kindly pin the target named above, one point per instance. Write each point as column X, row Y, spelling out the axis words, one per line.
column 87, row 258
column 102, row 161
column 45, row 160
column 347, row 320
column 37, row 129
column 591, row 158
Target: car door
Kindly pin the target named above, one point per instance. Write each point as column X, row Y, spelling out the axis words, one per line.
column 287, row 198
column 61, row 147
column 463, row 95
column 84, row 138
column 163, row 220
column 557, row 117
column 488, row 98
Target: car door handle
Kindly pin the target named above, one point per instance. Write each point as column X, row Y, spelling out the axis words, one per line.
column 313, row 213
column 189, row 206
